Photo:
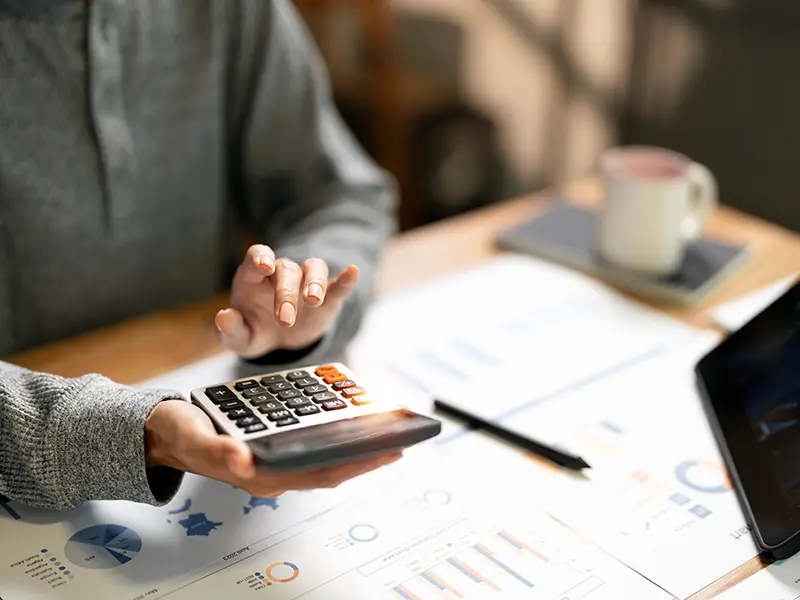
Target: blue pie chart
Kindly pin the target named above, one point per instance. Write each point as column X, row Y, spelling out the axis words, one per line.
column 103, row 547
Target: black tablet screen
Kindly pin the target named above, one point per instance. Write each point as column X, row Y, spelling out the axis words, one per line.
column 752, row 382
column 765, row 372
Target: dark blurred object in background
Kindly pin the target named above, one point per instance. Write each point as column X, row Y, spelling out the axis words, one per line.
column 717, row 79
column 458, row 163
column 533, row 91
column 397, row 79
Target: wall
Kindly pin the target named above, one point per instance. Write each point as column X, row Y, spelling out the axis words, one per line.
column 544, row 102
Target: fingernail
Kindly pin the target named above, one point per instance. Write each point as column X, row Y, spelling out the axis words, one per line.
column 234, row 327
column 315, row 291
column 287, row 313
column 265, row 260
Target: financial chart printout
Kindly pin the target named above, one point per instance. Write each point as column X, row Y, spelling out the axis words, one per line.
column 414, row 535
column 658, row 496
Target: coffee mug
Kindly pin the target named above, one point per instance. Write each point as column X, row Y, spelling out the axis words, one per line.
column 655, row 201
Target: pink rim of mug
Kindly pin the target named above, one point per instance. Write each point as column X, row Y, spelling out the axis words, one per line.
column 670, row 164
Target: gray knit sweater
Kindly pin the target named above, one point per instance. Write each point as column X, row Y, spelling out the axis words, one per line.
column 141, row 144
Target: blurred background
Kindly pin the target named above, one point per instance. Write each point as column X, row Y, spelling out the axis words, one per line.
column 468, row 102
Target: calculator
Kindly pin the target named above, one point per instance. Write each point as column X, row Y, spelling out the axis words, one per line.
column 312, row 417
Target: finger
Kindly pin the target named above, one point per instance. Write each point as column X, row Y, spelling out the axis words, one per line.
column 258, row 263
column 236, row 333
column 288, row 277
column 315, row 281
column 344, row 284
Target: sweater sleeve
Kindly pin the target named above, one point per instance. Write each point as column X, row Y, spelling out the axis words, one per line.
column 308, row 188
column 66, row 441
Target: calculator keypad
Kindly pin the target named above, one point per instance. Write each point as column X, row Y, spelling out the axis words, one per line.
column 220, row 393
column 333, row 404
column 230, row 405
column 253, row 391
column 288, row 394
column 295, row 375
column 282, row 400
column 270, row 406
column 243, row 385
column 305, row 382
column 323, row 397
column 277, row 415
column 238, row 413
column 279, row 386
column 297, row 402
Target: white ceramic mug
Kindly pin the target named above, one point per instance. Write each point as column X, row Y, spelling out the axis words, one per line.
column 655, row 202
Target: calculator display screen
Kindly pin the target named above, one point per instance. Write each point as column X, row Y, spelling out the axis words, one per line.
column 347, row 438
column 344, row 431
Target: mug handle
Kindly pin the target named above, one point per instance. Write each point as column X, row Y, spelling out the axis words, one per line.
column 703, row 203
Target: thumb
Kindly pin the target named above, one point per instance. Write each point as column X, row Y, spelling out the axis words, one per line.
column 341, row 287
column 235, row 332
column 215, row 455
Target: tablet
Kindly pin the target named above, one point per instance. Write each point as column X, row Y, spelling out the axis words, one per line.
column 750, row 386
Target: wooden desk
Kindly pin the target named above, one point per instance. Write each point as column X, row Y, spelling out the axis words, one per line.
column 158, row 343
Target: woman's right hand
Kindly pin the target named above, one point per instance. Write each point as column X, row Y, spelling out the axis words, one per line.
column 180, row 435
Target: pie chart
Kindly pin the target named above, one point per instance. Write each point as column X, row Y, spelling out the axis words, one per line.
column 103, row 547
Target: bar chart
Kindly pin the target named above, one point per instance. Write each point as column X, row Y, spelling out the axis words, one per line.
column 501, row 562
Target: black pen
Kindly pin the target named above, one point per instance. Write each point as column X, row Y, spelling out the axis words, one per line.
column 563, row 459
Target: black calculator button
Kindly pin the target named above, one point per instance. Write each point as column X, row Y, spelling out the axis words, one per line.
column 323, row 397
column 247, row 422
column 287, row 394
column 306, row 410
column 286, row 421
column 270, row 379
column 243, row 385
column 314, row 389
column 305, row 382
column 230, row 405
column 295, row 375
column 280, row 386
column 297, row 402
column 253, row 391
column 342, row 385
column 255, row 428
column 333, row 405
column 268, row 407
column 219, row 394
column 277, row 415
column 261, row 399
column 239, row 413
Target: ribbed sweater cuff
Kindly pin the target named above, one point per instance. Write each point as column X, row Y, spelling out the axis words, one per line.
column 98, row 441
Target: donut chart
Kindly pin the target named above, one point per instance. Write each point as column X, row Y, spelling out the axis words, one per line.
column 705, row 476
column 103, row 547
column 363, row 532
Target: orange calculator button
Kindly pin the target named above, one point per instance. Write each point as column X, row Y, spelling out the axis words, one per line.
column 324, row 370
column 359, row 400
column 353, row 391
column 334, row 377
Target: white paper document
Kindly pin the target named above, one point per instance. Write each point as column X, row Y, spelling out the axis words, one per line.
column 779, row 581
column 735, row 314
column 524, row 327
column 657, row 496
column 408, row 533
